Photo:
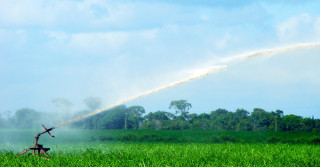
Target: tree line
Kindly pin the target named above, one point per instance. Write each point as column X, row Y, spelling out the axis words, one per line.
column 135, row 117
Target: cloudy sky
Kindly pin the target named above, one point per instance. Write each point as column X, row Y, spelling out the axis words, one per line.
column 118, row 49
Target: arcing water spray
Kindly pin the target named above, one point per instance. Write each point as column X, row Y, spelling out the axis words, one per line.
column 204, row 72
column 264, row 52
column 198, row 75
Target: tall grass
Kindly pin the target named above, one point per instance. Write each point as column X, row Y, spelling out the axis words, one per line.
column 163, row 148
column 174, row 154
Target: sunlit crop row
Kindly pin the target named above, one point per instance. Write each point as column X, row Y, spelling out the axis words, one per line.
column 170, row 154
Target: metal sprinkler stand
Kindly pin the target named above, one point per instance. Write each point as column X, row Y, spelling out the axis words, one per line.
column 38, row 147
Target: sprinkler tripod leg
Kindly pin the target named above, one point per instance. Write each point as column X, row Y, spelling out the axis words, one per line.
column 26, row 150
column 35, row 146
column 38, row 147
column 44, row 152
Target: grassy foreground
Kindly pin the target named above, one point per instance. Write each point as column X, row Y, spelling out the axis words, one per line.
column 163, row 148
column 174, row 154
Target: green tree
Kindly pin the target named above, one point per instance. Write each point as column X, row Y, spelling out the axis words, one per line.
column 222, row 120
column 27, row 118
column 279, row 113
column 9, row 121
column 308, row 124
column 177, row 124
column 241, row 114
column 202, row 121
column 3, row 122
column 93, row 103
column 241, row 118
column 292, row 122
column 181, row 107
column 135, row 115
column 156, row 120
column 159, row 115
column 113, row 118
column 215, row 114
column 65, row 109
column 261, row 119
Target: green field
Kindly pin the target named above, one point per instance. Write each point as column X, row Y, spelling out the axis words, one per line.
column 163, row 148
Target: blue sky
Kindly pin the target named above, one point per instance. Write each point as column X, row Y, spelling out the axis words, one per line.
column 115, row 49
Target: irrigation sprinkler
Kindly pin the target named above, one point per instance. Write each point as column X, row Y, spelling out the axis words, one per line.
column 38, row 148
column 202, row 73
column 41, row 150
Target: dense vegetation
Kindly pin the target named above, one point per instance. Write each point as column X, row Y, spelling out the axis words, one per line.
column 163, row 148
column 163, row 136
column 173, row 154
column 134, row 117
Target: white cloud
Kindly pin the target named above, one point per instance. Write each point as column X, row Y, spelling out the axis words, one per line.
column 17, row 13
column 12, row 38
column 3, row 34
column 51, row 13
column 98, row 41
column 110, row 41
column 222, row 43
column 248, row 14
column 299, row 28
column 100, row 14
column 317, row 26
column 57, row 35
column 96, row 14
